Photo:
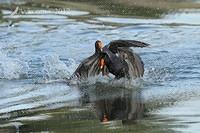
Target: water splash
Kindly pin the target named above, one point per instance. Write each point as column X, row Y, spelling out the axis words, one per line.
column 12, row 68
column 54, row 68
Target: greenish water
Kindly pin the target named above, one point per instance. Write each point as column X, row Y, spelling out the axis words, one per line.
column 44, row 41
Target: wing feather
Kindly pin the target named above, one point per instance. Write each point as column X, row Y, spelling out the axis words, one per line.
column 135, row 63
column 114, row 45
column 88, row 68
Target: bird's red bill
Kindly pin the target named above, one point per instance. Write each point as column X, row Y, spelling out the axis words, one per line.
column 101, row 63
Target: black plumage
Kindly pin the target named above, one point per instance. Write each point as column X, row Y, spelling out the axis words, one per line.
column 119, row 59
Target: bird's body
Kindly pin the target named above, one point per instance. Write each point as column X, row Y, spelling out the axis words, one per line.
column 115, row 65
column 116, row 58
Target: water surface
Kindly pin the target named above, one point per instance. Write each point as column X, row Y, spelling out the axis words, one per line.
column 41, row 47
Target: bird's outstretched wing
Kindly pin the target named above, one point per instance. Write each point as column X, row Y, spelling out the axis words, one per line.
column 135, row 63
column 88, row 68
column 114, row 45
column 122, row 48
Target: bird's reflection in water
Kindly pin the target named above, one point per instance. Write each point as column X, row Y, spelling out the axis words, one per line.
column 114, row 103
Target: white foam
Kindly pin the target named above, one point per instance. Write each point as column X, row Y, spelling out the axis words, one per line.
column 54, row 68
column 11, row 68
column 111, row 81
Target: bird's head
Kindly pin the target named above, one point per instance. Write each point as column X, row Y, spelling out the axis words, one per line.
column 98, row 49
column 98, row 46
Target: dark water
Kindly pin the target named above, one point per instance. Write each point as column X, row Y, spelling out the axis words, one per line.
column 41, row 45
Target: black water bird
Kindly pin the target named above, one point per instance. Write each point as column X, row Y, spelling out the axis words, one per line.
column 116, row 58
